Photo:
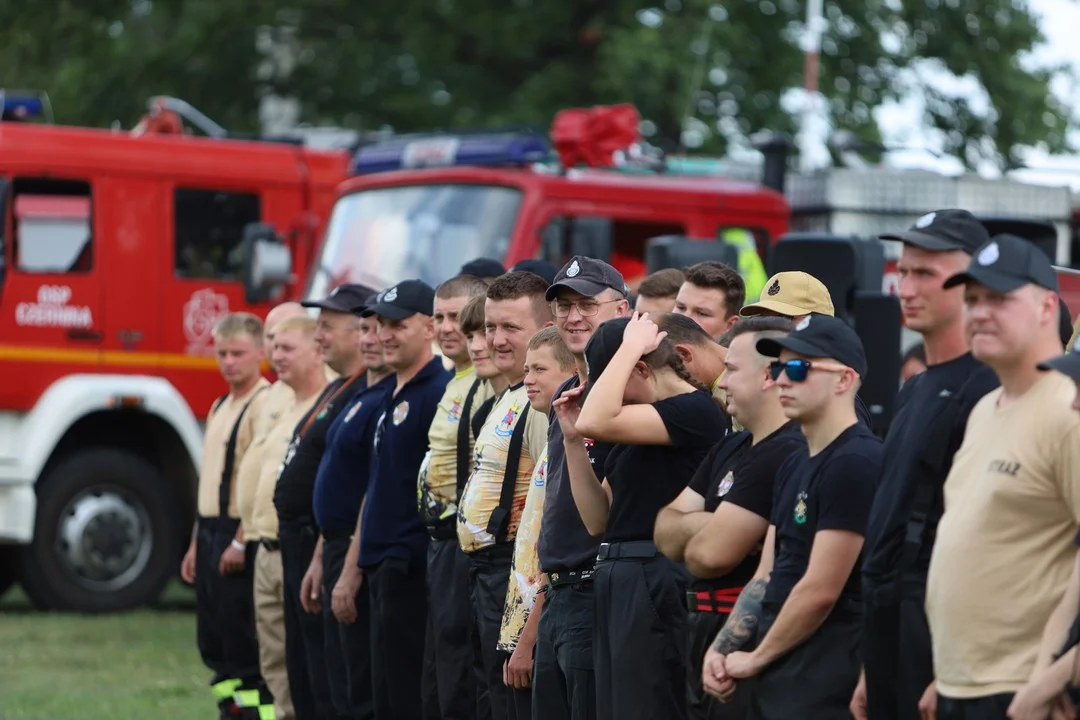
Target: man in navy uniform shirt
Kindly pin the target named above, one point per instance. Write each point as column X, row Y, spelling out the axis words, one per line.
column 393, row 539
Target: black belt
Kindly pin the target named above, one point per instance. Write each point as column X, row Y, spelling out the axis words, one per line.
column 446, row 530
column 636, row 549
column 333, row 535
column 271, row 545
column 712, row 601
column 561, row 578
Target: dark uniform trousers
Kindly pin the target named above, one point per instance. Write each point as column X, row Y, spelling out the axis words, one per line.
column 816, row 679
column 992, row 707
column 489, row 576
column 225, row 611
column 347, row 647
column 564, row 684
column 303, row 631
column 897, row 654
column 453, row 663
column 398, row 626
column 702, row 629
column 640, row 645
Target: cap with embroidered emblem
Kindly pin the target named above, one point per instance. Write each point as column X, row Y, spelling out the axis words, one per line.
column 820, row 336
column 588, row 276
column 790, row 294
column 342, row 299
column 1008, row 263
column 403, row 300
column 944, row 231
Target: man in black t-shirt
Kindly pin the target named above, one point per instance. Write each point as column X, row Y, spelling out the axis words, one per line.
column 805, row 598
column 932, row 412
column 717, row 524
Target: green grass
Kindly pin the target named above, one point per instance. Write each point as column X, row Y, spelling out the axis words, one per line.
column 128, row 666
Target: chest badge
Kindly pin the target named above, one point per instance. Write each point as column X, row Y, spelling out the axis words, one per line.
column 505, row 428
column 401, row 412
column 800, row 509
column 541, row 474
column 353, row 410
column 725, row 484
column 455, row 411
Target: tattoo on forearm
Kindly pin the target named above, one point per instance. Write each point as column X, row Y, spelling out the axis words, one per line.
column 743, row 621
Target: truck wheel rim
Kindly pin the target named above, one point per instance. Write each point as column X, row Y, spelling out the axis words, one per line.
column 104, row 539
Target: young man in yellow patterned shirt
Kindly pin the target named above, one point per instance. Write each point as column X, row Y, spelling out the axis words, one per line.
column 508, row 448
column 450, row 682
column 548, row 364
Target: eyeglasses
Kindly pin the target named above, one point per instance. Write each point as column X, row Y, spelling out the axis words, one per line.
column 586, row 308
column 797, row 370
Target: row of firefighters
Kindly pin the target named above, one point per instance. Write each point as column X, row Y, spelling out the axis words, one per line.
column 663, row 504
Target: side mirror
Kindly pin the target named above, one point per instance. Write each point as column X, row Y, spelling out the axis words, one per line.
column 267, row 263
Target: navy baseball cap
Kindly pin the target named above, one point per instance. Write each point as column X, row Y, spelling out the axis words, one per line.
column 1008, row 263
column 588, row 276
column 543, row 268
column 602, row 346
column 342, row 299
column 403, row 300
column 483, row 268
column 820, row 336
column 944, row 230
column 1067, row 364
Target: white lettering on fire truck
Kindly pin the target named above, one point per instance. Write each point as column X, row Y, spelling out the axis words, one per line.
column 52, row 310
column 201, row 313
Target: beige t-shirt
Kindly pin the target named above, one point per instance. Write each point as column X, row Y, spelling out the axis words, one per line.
column 1005, row 546
column 279, row 398
column 219, row 427
column 525, row 574
column 481, row 494
column 437, row 481
column 264, row 519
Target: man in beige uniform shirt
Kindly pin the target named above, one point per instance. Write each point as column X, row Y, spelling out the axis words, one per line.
column 217, row 560
column 1004, row 549
column 298, row 360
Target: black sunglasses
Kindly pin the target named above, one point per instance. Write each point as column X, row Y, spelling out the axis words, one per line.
column 797, row 370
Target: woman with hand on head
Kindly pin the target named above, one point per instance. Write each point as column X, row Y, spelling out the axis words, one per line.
column 662, row 421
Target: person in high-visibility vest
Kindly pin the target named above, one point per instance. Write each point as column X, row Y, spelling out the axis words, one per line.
column 749, row 266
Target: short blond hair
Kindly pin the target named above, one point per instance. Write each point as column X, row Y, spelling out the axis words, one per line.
column 238, row 323
column 304, row 323
column 549, row 337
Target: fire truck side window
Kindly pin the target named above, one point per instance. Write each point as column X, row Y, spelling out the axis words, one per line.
column 52, row 226
column 209, row 228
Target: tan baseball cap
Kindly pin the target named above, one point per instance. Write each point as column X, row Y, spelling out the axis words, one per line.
column 791, row 294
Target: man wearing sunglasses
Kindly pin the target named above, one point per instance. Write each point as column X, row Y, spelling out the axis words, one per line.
column 806, row 593
column 932, row 411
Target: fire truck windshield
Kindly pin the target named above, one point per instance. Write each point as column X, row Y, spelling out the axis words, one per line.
column 382, row 236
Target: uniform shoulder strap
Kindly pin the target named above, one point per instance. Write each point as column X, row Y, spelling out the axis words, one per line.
column 225, row 487
column 463, row 435
column 499, row 522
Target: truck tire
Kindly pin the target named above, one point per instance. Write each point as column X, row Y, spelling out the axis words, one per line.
column 106, row 537
column 9, row 568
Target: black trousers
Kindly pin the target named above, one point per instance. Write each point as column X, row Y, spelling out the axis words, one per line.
column 225, row 609
column 816, row 679
column 347, row 647
column 702, row 628
column 564, row 684
column 489, row 575
column 992, row 707
column 303, row 631
column 398, row 625
column 452, row 651
column 897, row 655
column 639, row 648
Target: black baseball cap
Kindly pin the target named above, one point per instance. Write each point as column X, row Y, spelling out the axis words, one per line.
column 602, row 346
column 944, row 230
column 483, row 268
column 1008, row 263
column 588, row 276
column 402, row 301
column 543, row 268
column 820, row 336
column 1067, row 364
column 342, row 299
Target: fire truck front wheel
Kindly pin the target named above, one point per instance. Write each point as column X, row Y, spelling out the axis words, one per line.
column 105, row 538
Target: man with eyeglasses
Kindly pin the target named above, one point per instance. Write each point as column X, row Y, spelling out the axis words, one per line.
column 805, row 597
column 586, row 292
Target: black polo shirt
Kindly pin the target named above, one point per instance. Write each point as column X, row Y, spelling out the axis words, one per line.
column 343, row 474
column 831, row 491
column 564, row 543
column 391, row 525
